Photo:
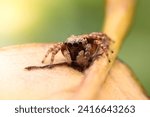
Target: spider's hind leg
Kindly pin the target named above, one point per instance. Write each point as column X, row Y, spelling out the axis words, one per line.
column 107, row 54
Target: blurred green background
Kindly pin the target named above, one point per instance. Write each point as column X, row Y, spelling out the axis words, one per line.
column 28, row 21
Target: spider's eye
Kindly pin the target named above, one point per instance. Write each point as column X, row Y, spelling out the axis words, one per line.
column 75, row 45
column 80, row 43
column 69, row 44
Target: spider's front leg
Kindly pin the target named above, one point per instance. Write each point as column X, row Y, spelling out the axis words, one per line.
column 54, row 50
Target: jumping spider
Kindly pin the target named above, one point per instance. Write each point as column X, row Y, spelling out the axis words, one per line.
column 80, row 51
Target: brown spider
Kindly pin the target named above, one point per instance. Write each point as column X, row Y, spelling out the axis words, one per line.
column 80, row 51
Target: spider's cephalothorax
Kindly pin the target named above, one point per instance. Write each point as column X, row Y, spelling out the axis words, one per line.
column 80, row 51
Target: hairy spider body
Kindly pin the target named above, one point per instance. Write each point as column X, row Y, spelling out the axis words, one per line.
column 80, row 51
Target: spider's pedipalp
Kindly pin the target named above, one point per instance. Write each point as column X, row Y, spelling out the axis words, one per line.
column 67, row 56
column 87, row 50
